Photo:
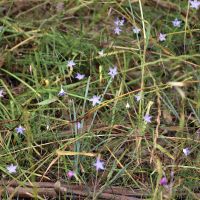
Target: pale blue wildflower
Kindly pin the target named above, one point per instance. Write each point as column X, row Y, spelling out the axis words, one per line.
column 194, row 4
column 186, row 151
column 162, row 37
column 99, row 165
column 113, row 71
column 71, row 63
column 11, row 168
column 61, row 93
column 95, row 100
column 117, row 30
column 138, row 96
column 147, row 118
column 119, row 22
column 80, row 76
column 20, row 129
column 176, row 23
column 136, row 30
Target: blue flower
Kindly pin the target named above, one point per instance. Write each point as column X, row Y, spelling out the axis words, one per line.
column 113, row 71
column 147, row 118
column 119, row 22
column 71, row 63
column 176, row 23
column 136, row 30
column 99, row 164
column 117, row 30
column 11, row 168
column 80, row 76
column 20, row 129
column 162, row 37
column 95, row 100
column 194, row 4
column 186, row 151
column 61, row 93
column 138, row 96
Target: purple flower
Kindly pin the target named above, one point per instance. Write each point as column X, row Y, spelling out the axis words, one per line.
column 71, row 63
column 80, row 76
column 147, row 118
column 20, row 129
column 99, row 165
column 176, row 23
column 95, row 100
column 194, row 4
column 117, row 30
column 113, row 71
column 162, row 37
column 186, row 151
column 119, row 22
column 163, row 181
column 70, row 174
column 136, row 30
column 61, row 93
column 11, row 168
column 1, row 93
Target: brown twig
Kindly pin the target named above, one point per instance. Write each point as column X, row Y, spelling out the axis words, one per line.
column 53, row 190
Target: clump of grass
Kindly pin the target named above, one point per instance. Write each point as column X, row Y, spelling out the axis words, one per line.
column 133, row 114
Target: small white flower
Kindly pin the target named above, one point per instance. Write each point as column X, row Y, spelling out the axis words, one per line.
column 71, row 63
column 136, row 30
column 20, row 129
column 186, row 151
column 117, row 30
column 176, row 23
column 101, row 53
column 61, row 93
column 162, row 37
column 1, row 93
column 47, row 127
column 127, row 105
column 113, row 71
column 80, row 76
column 194, row 4
column 11, row 168
column 95, row 100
